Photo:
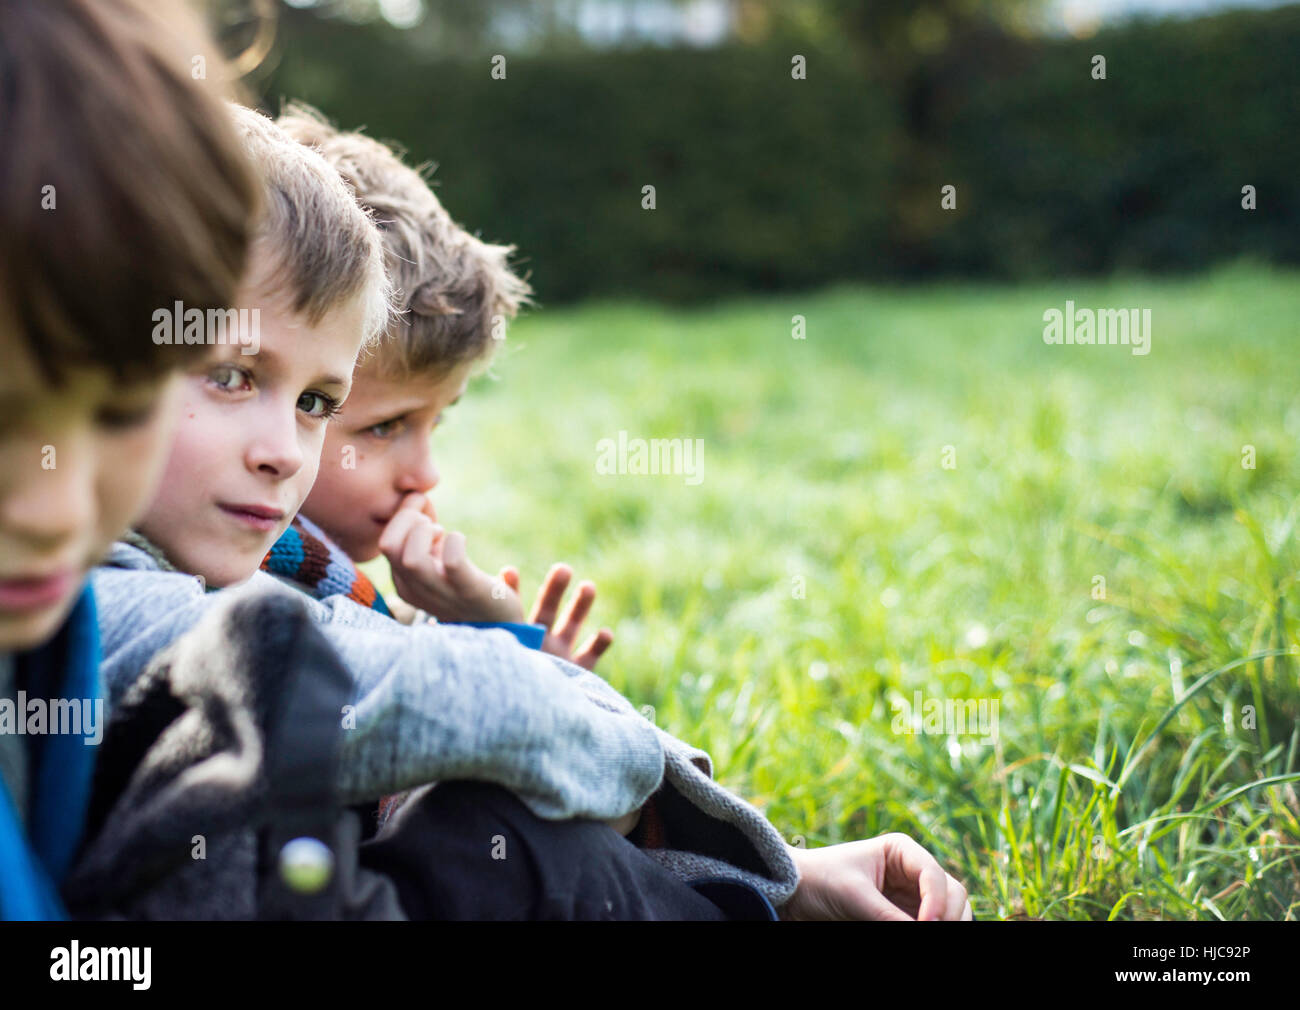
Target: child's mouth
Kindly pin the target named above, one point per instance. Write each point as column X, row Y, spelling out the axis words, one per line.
column 259, row 517
column 31, row 593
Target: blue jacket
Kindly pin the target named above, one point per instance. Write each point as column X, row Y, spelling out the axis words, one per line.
column 34, row 862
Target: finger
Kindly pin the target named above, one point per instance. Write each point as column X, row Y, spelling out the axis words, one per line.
column 549, row 596
column 394, row 535
column 922, row 872
column 456, row 563
column 957, row 906
column 417, row 552
column 579, row 608
column 510, row 576
column 596, row 646
column 966, row 914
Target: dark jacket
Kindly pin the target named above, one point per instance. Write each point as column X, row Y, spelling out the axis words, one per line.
column 207, row 770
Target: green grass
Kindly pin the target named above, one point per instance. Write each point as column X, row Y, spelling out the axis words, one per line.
column 1126, row 780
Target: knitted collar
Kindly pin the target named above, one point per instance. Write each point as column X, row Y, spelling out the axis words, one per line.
column 306, row 555
column 141, row 542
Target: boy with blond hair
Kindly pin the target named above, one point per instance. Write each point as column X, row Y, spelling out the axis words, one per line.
column 316, row 284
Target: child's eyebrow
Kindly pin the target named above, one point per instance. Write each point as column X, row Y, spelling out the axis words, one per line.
column 330, row 380
column 275, row 362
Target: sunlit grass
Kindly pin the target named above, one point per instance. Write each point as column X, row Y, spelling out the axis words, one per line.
column 829, row 566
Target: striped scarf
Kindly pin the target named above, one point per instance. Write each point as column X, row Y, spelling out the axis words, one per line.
column 306, row 555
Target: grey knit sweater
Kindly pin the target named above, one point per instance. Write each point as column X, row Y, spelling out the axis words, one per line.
column 446, row 702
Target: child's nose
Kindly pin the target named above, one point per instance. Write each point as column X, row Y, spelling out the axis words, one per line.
column 58, row 507
column 421, row 476
column 275, row 448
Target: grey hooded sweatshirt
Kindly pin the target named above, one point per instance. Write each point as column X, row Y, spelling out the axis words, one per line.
column 442, row 702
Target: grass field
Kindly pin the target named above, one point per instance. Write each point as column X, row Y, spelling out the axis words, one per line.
column 828, row 566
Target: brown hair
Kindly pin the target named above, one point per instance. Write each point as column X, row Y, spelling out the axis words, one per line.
column 452, row 288
column 325, row 247
column 122, row 184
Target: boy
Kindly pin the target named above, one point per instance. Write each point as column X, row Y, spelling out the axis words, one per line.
column 315, row 292
column 455, row 294
column 147, row 172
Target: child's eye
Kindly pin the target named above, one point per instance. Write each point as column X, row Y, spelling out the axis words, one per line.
column 318, row 405
column 383, row 429
column 230, row 378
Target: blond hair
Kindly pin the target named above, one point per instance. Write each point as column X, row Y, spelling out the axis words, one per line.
column 454, row 291
column 324, row 244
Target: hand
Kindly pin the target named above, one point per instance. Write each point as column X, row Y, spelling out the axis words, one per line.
column 889, row 877
column 432, row 572
column 560, row 637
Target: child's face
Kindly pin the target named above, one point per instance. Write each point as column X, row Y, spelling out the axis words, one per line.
column 377, row 452
column 248, row 441
column 77, row 465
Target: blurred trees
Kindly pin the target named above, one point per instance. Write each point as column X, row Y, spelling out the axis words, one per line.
column 765, row 181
